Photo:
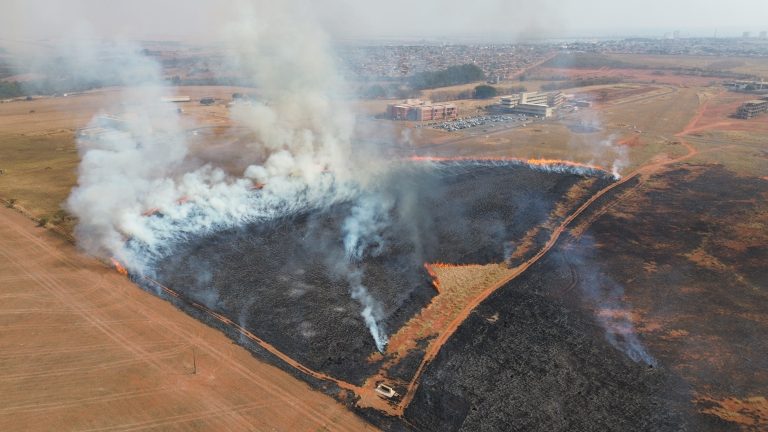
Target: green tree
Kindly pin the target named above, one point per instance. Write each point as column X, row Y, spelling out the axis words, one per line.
column 485, row 92
column 452, row 75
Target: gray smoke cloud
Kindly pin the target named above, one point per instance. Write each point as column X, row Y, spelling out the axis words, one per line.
column 141, row 189
column 300, row 151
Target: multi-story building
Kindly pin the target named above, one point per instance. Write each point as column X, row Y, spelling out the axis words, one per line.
column 752, row 108
column 538, row 110
column 418, row 110
column 532, row 103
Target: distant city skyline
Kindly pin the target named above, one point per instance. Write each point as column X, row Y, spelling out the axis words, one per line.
column 487, row 20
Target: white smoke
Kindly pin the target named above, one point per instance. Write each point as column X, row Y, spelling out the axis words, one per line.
column 608, row 298
column 605, row 152
column 372, row 312
column 301, row 148
column 141, row 188
column 362, row 231
column 299, row 120
column 364, row 226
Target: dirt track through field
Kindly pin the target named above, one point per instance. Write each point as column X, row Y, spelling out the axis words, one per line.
column 436, row 345
column 82, row 348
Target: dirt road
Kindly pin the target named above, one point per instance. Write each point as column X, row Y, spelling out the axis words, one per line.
column 82, row 348
column 436, row 345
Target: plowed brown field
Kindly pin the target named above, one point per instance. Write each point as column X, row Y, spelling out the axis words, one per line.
column 82, row 348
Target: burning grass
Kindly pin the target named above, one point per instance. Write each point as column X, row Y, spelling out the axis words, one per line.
column 119, row 267
column 555, row 165
column 280, row 279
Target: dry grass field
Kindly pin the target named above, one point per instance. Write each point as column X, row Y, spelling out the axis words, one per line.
column 38, row 155
column 650, row 119
column 81, row 348
column 747, row 65
column 39, row 158
column 143, row 366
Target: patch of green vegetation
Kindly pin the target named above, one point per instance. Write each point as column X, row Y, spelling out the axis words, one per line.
column 452, row 75
column 40, row 172
column 10, row 90
column 485, row 92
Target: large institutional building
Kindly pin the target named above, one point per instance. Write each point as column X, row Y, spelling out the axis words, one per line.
column 752, row 108
column 532, row 103
column 418, row 110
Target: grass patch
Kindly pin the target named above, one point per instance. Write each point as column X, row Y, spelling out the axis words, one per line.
column 39, row 173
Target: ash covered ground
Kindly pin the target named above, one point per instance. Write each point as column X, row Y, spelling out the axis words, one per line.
column 686, row 261
column 284, row 279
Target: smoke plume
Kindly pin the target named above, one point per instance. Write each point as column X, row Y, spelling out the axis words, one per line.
column 142, row 189
column 363, row 230
column 302, row 139
column 606, row 297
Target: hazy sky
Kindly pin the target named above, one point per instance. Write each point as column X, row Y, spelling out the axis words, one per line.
column 203, row 19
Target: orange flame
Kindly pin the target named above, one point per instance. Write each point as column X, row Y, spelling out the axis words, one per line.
column 151, row 211
column 155, row 210
column 531, row 162
column 258, row 186
column 119, row 267
column 435, row 280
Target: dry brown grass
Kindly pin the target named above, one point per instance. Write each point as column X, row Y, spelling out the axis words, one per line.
column 746, row 65
column 38, row 155
column 83, row 349
column 457, row 284
column 751, row 413
column 659, row 117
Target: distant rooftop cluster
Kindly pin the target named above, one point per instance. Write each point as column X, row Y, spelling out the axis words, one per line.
column 502, row 61
column 745, row 46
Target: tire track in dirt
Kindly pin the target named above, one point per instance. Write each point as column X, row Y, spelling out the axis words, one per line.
column 66, row 350
column 100, row 366
column 168, row 422
column 69, row 325
column 296, row 404
column 52, row 286
column 49, row 406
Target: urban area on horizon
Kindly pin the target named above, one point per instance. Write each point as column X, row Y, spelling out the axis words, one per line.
column 281, row 228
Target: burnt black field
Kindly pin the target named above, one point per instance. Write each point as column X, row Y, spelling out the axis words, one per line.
column 284, row 280
column 534, row 355
column 545, row 363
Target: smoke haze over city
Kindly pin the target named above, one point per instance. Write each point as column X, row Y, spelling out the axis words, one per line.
column 200, row 20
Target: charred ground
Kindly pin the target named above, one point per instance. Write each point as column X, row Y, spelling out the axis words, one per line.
column 677, row 258
column 282, row 281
